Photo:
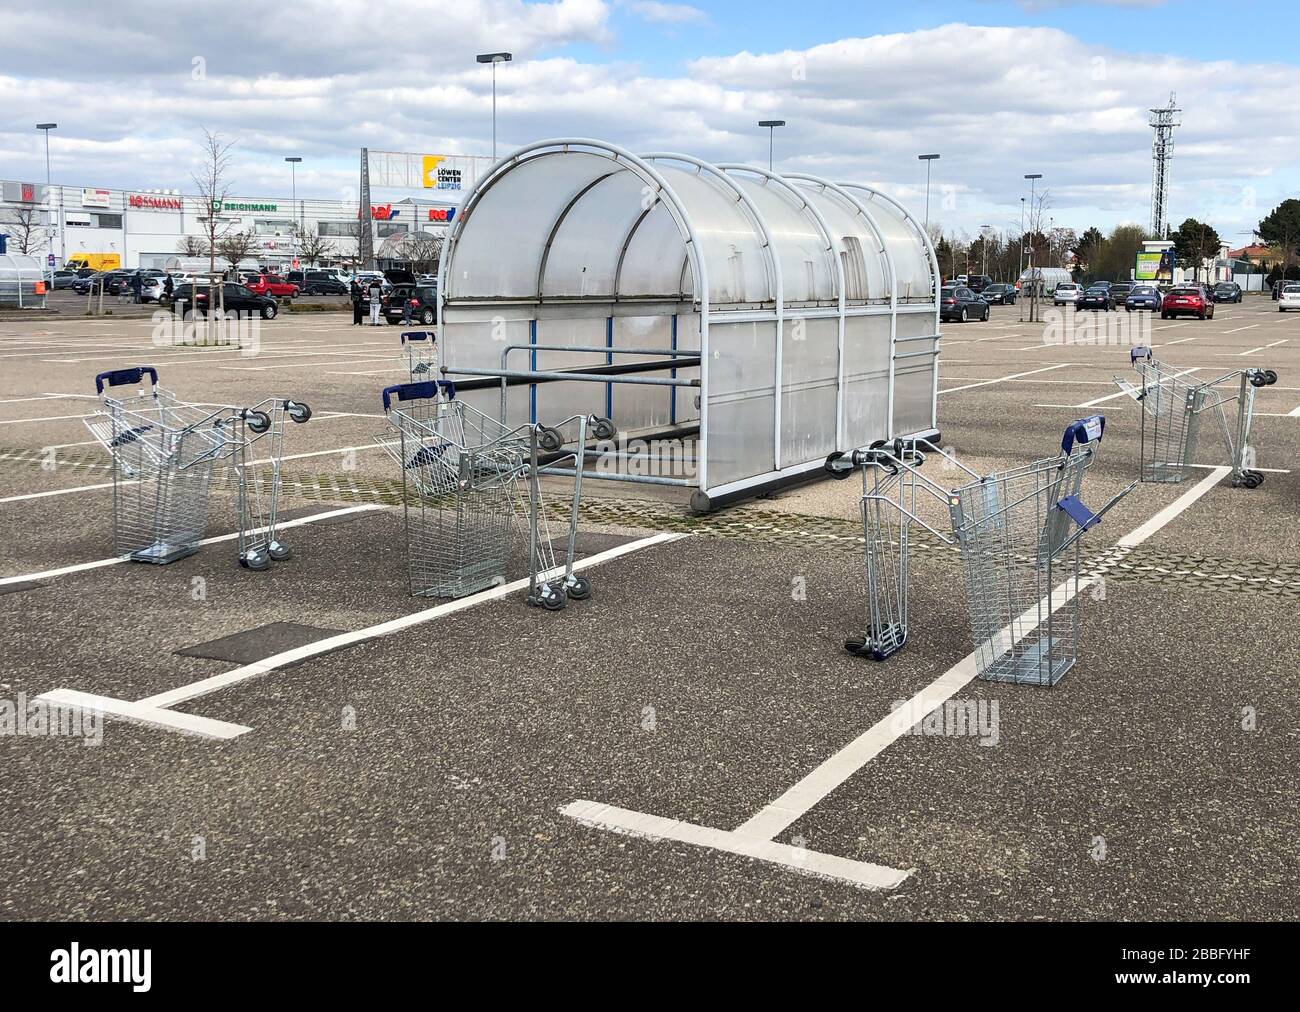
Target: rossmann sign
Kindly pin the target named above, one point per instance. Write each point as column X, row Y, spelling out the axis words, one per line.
column 153, row 202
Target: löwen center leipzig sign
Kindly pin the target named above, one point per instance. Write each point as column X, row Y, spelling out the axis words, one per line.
column 408, row 171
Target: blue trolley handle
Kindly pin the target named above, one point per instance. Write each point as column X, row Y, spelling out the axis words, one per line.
column 1085, row 430
column 418, row 391
column 419, row 335
column 121, row 377
column 1140, row 351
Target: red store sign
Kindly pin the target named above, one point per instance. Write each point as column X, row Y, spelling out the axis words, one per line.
column 154, row 202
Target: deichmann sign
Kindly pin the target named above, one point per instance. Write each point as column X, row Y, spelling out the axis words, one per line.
column 153, row 202
column 218, row 206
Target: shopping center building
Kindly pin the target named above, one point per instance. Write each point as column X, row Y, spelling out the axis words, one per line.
column 148, row 227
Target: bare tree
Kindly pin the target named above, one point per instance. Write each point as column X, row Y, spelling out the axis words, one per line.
column 213, row 188
column 25, row 231
column 312, row 246
column 422, row 251
column 236, row 247
column 193, row 246
column 1037, row 243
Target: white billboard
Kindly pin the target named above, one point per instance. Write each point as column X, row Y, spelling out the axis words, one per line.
column 411, row 171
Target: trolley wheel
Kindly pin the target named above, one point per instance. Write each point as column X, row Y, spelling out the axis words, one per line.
column 839, row 474
column 855, row 645
column 1270, row 376
column 549, row 439
column 579, row 589
column 553, row 600
column 279, row 551
column 604, row 428
column 298, row 411
column 257, row 421
column 256, row 561
column 1258, row 379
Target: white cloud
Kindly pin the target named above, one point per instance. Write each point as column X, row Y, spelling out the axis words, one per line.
column 666, row 14
column 996, row 102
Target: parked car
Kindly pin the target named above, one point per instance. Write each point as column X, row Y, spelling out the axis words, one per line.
column 1067, row 294
column 960, row 304
column 428, row 280
column 978, row 282
column 238, row 300
column 1144, row 297
column 83, row 284
column 62, row 279
column 317, row 282
column 1289, row 297
column 1097, row 297
column 423, row 312
column 1187, row 300
column 1226, row 291
column 1000, row 294
column 152, row 288
column 115, row 281
column 272, row 284
column 1279, row 285
column 1119, row 292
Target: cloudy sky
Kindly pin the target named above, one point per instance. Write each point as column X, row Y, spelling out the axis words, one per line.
column 998, row 88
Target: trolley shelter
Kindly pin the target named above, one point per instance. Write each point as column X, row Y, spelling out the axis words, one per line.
column 743, row 324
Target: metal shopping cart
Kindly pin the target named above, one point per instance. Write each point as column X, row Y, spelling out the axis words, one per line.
column 461, row 475
column 165, row 452
column 1173, row 403
column 1015, row 529
column 420, row 353
column 258, row 481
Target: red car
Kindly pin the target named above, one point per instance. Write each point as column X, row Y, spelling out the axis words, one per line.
column 1187, row 300
column 272, row 284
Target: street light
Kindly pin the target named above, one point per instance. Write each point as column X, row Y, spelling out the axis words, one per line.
column 49, row 190
column 771, row 125
column 1022, row 236
column 927, row 159
column 1033, row 282
column 984, row 248
column 494, row 59
column 293, row 161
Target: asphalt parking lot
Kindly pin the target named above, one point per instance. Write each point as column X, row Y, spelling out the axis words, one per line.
column 693, row 742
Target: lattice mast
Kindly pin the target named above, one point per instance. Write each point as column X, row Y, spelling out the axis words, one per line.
column 1162, row 122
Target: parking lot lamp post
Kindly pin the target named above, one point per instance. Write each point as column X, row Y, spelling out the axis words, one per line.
column 1032, row 176
column 494, row 59
column 49, row 190
column 1022, row 237
column 771, row 125
column 984, row 248
column 927, row 159
column 293, row 161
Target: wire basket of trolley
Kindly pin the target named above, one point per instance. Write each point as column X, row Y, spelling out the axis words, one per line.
column 462, row 478
column 420, row 353
column 165, row 454
column 1174, row 401
column 1019, row 532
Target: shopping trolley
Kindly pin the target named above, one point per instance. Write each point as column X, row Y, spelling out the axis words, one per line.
column 258, row 481
column 420, row 353
column 1173, row 403
column 165, row 452
column 1015, row 530
column 461, row 475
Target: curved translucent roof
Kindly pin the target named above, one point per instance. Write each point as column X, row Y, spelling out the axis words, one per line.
column 585, row 220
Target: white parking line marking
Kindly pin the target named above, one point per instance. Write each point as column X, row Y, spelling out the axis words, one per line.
column 1123, row 393
column 60, row 491
column 52, row 418
column 1238, row 330
column 1003, row 379
column 780, row 814
column 806, row 862
column 1264, row 347
column 221, row 681
column 183, row 723
column 82, row 567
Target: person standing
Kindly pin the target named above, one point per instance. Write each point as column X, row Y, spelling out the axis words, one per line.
column 136, row 282
column 169, row 286
column 408, row 305
column 376, row 289
column 354, row 290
